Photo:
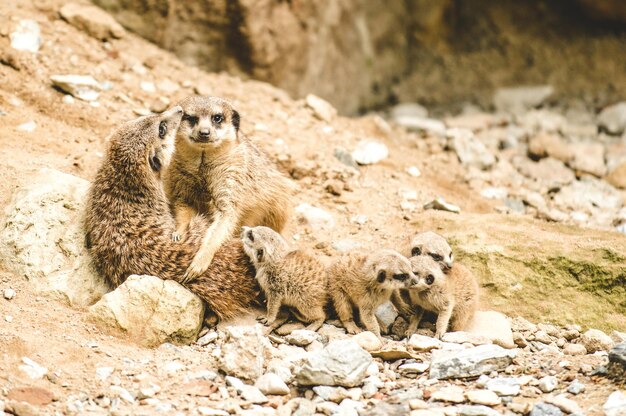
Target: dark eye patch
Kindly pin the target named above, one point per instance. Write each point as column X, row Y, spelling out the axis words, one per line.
column 250, row 235
column 435, row 257
column 381, row 276
column 162, row 129
column 217, row 118
column 259, row 254
column 192, row 120
column 401, row 277
column 416, row 251
column 430, row 279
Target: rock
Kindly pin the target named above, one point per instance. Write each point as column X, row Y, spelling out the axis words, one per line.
column 407, row 110
column 346, row 245
column 200, row 388
column 386, row 315
column 440, row 204
column 615, row 405
column 371, row 385
column 549, row 172
column 422, row 124
column 368, row 152
column 321, row 108
column 102, row 373
column 562, row 402
column 207, row 338
column 617, row 361
column 574, row 349
column 346, row 158
column 333, row 394
column 547, row 384
column 93, row 20
column 252, row 394
column 423, row 343
column 589, row 158
column 150, row 310
column 302, row 337
column 596, row 340
column 576, row 387
column 8, row 294
column 542, row 120
column 470, row 151
column 83, row 87
column 617, row 177
column 484, row 397
column 452, row 394
column 368, row 341
column 27, row 36
column 470, row 362
column 32, row 395
column 504, row 386
column 393, row 351
column 494, row 326
column 550, row 145
column 474, row 122
column 494, row 193
column 42, row 238
column 340, row 363
column 208, row 411
column 413, row 368
column 270, row 383
column 613, row 119
column 516, row 99
column 413, row 171
column 544, row 409
column 587, row 193
column 461, row 337
column 468, row 410
column 315, row 217
column 244, row 351
column 28, row 127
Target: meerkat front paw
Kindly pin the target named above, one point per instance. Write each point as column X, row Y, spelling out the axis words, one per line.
column 198, row 266
column 176, row 236
column 352, row 329
column 263, row 320
column 439, row 335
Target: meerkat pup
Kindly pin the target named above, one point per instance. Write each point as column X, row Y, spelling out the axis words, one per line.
column 366, row 281
column 217, row 171
column 434, row 245
column 453, row 296
column 292, row 278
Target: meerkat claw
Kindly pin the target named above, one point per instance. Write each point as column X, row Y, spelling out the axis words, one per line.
column 176, row 237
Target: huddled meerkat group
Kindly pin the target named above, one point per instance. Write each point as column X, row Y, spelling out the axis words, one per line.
column 183, row 195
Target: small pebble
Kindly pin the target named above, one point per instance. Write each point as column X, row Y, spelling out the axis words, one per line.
column 8, row 294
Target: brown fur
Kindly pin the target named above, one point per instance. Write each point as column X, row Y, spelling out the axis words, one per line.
column 292, row 278
column 224, row 175
column 366, row 281
column 129, row 225
column 453, row 296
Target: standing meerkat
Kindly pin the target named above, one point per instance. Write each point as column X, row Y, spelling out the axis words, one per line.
column 292, row 278
column 217, row 171
column 366, row 281
column 129, row 225
column 453, row 296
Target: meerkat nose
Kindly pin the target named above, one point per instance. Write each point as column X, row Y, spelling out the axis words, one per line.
column 177, row 110
column 204, row 132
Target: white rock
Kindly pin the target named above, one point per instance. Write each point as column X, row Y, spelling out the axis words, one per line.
column 421, row 343
column 321, row 108
column 515, row 99
column 494, row 193
column 470, row 150
column 386, row 315
column 93, row 20
column 547, row 384
column 371, row 385
column 27, row 36
column 461, row 337
column 8, row 294
column 147, row 86
column 317, row 218
column 615, row 405
column 8, row 318
column 83, row 87
column 346, row 245
column 421, row 124
column 208, row 411
column 68, row 99
column 413, row 171
column 408, row 109
column 504, row 386
column 477, row 410
column 494, row 326
column 32, row 369
column 368, row 152
column 234, row 382
column 470, row 362
column 207, row 338
column 150, row 310
column 368, row 341
column 340, row 363
column 123, row 394
column 613, row 118
column 453, row 394
column 413, row 368
column 253, row 394
column 440, row 204
column 244, row 352
column 270, row 383
column 596, row 340
column 333, row 394
column 484, row 397
column 28, row 127
column 102, row 373
column 564, row 403
column 302, row 337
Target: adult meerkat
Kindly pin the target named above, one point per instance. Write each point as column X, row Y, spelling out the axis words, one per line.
column 453, row 296
column 292, row 278
column 217, row 171
column 129, row 225
column 366, row 281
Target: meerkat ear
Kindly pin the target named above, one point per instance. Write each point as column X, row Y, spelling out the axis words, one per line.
column 236, row 120
column 155, row 161
column 381, row 276
column 259, row 255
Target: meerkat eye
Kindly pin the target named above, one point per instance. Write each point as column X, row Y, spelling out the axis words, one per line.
column 430, row 279
column 192, row 120
column 217, row 118
column 436, row 257
column 401, row 277
column 381, row 276
column 416, row 251
column 162, row 129
column 251, row 236
column 259, row 254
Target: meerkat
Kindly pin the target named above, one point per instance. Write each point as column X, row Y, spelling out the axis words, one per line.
column 366, row 281
column 217, row 171
column 434, row 245
column 128, row 222
column 292, row 278
column 453, row 296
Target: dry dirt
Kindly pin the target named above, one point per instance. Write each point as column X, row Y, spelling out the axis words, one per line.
column 71, row 138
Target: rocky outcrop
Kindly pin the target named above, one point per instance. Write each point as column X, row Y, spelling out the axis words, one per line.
column 41, row 238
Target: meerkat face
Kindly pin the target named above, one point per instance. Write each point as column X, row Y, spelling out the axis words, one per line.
column 262, row 244
column 433, row 245
column 160, row 151
column 208, row 122
column 427, row 271
column 392, row 270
